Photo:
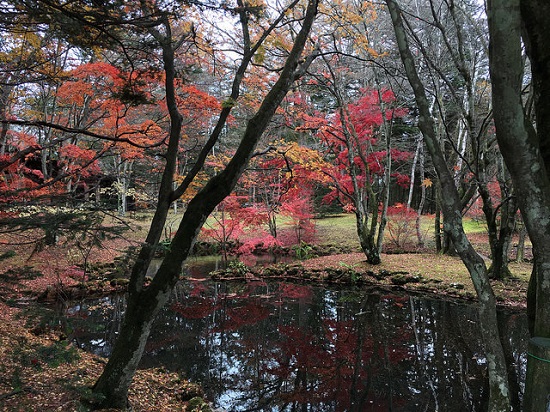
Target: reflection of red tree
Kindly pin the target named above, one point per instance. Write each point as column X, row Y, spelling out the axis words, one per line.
column 198, row 289
column 294, row 291
column 252, row 312
column 195, row 308
column 338, row 366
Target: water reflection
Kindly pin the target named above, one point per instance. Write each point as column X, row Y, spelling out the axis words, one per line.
column 286, row 347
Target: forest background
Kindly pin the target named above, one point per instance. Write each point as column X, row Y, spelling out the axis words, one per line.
column 111, row 110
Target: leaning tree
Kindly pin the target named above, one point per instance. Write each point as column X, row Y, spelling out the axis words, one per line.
column 451, row 206
column 144, row 302
column 157, row 35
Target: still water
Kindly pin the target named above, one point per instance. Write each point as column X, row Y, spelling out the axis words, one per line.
column 286, row 347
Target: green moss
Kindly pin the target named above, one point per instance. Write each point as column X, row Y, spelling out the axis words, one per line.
column 474, row 226
column 198, row 404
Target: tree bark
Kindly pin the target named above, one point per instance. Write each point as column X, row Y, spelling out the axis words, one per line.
column 438, row 233
column 526, row 153
column 535, row 16
column 508, row 212
column 451, row 206
column 144, row 303
column 520, row 248
column 519, row 144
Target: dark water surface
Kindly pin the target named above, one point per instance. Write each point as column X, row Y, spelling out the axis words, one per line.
column 286, row 347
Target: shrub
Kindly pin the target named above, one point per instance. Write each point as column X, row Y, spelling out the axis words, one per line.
column 401, row 225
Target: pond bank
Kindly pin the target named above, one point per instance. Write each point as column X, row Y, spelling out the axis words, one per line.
column 436, row 275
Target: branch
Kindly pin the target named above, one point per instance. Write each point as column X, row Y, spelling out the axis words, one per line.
column 224, row 114
column 55, row 126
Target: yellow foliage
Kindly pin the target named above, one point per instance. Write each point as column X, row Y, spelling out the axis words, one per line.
column 427, row 182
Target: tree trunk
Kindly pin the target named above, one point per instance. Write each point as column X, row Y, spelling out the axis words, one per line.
column 5, row 92
column 520, row 248
column 500, row 251
column 419, row 144
column 438, row 234
column 524, row 151
column 143, row 304
column 385, row 193
column 366, row 238
column 535, row 16
column 508, row 212
column 419, row 235
column 451, row 206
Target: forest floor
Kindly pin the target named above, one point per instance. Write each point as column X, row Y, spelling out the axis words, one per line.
column 41, row 370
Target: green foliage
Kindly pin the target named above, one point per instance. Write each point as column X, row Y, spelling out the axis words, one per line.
column 229, row 103
column 237, row 267
column 43, row 320
column 11, row 302
column 58, row 354
column 303, row 251
column 164, row 246
column 259, row 57
column 88, row 396
column 352, row 297
column 354, row 275
column 347, row 266
column 16, row 381
column 15, row 275
column 131, row 95
column 123, row 264
column 323, row 209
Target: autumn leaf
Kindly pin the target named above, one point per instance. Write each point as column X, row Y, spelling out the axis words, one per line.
column 427, row 182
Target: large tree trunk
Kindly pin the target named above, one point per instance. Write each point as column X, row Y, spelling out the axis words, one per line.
column 451, row 206
column 526, row 156
column 535, row 16
column 144, row 303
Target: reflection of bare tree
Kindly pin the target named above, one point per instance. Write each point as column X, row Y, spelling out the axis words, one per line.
column 360, row 388
column 515, row 359
column 448, row 352
column 422, row 349
column 100, row 330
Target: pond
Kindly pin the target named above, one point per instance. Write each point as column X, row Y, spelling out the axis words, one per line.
column 285, row 347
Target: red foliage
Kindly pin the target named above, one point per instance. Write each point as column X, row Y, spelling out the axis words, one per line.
column 351, row 138
column 259, row 244
column 300, row 211
column 75, row 159
column 401, row 224
column 230, row 220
